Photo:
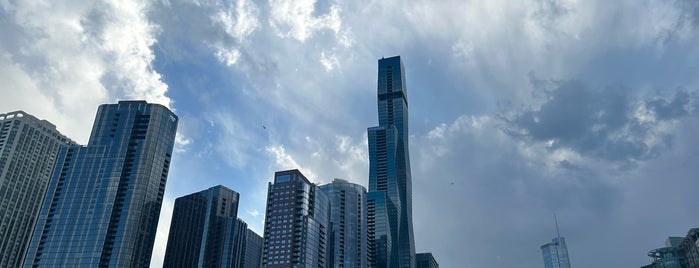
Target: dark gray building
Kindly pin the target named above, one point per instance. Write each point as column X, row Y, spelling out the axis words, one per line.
column 348, row 221
column 103, row 201
column 425, row 260
column 297, row 223
column 202, row 230
column 28, row 149
column 389, row 163
column 248, row 247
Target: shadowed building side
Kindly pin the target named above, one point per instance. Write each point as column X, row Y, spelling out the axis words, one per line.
column 203, row 228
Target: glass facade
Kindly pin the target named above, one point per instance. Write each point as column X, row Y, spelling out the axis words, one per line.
column 103, row 200
column 380, row 231
column 252, row 250
column 28, row 149
column 389, row 160
column 297, row 223
column 425, row 260
column 348, row 221
column 556, row 254
column 203, row 228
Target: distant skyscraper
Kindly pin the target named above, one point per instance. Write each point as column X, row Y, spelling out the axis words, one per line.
column 28, row 149
column 556, row 253
column 248, row 247
column 203, row 229
column 389, row 163
column 348, row 220
column 296, row 223
column 103, row 200
column 425, row 260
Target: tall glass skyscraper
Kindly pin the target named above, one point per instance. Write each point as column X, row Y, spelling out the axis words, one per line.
column 28, row 149
column 348, row 220
column 389, row 162
column 556, row 253
column 297, row 223
column 103, row 200
column 203, row 228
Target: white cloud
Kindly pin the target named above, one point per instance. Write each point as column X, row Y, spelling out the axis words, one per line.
column 329, row 61
column 77, row 56
column 296, row 19
column 285, row 161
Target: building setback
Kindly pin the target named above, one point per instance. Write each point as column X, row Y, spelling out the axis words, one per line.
column 202, row 230
column 296, row 223
column 425, row 260
column 348, row 221
column 103, row 200
column 28, row 149
column 389, row 165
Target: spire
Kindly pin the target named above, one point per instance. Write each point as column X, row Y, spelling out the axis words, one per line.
column 558, row 234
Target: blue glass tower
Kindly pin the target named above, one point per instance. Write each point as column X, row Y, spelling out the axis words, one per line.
column 348, row 224
column 389, row 161
column 556, row 253
column 103, row 201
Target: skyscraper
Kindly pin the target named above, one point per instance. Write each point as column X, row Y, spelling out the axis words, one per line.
column 556, row 253
column 389, row 160
column 28, row 149
column 296, row 223
column 247, row 248
column 425, row 260
column 202, row 231
column 348, row 221
column 103, row 200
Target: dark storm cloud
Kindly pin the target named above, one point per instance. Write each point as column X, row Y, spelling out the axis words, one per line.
column 602, row 123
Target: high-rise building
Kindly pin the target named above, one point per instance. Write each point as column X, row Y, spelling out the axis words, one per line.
column 28, row 149
column 381, row 229
column 679, row 252
column 690, row 248
column 103, row 201
column 297, row 223
column 348, row 221
column 389, row 163
column 202, row 231
column 248, row 247
column 556, row 253
column 425, row 260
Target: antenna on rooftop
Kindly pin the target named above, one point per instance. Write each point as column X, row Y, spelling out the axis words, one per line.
column 558, row 234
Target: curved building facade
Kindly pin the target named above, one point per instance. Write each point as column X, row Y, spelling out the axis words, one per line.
column 348, row 224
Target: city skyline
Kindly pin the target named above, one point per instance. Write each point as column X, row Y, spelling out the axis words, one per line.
column 517, row 109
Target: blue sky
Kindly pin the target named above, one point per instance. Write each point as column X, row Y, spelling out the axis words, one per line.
column 518, row 109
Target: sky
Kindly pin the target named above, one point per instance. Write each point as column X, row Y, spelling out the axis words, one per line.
column 518, row 109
